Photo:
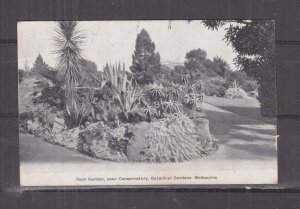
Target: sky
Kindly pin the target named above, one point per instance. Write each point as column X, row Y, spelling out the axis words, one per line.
column 114, row 41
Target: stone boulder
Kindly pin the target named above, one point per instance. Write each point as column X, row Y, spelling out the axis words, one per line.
column 34, row 127
column 97, row 140
column 68, row 138
column 202, row 129
column 103, row 142
column 138, row 141
column 58, row 125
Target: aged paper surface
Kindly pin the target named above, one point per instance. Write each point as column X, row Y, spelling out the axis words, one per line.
column 110, row 103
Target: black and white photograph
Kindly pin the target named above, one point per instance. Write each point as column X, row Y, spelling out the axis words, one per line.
column 150, row 102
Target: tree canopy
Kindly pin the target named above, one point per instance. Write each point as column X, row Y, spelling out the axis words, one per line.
column 254, row 42
column 39, row 65
column 145, row 61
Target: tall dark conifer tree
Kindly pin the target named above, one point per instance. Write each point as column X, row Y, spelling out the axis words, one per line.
column 145, row 62
column 39, row 65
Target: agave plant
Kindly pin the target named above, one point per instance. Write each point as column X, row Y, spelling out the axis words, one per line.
column 116, row 77
column 68, row 42
column 124, row 90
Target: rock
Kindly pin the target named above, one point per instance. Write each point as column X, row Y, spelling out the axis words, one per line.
column 202, row 129
column 68, row 138
column 33, row 126
column 58, row 125
column 137, row 143
column 103, row 142
column 193, row 114
column 97, row 140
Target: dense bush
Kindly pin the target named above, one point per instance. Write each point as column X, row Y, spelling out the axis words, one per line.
column 214, row 86
column 246, row 82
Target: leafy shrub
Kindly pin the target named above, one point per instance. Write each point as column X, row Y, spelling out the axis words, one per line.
column 214, row 86
column 235, row 91
column 246, row 82
column 53, row 96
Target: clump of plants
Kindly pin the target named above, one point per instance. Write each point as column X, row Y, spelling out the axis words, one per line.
column 174, row 139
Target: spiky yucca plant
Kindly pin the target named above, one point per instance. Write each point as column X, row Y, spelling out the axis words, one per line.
column 68, row 42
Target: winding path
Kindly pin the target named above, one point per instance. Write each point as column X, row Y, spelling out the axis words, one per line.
column 241, row 140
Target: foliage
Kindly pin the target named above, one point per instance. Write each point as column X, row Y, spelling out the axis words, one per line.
column 76, row 112
column 39, row 65
column 215, row 86
column 220, row 66
column 194, row 63
column 170, row 107
column 68, row 40
column 246, row 82
column 89, row 73
column 155, row 92
column 145, row 62
column 53, row 96
column 175, row 140
column 161, row 100
column 116, row 77
column 254, row 42
column 122, row 89
column 23, row 74
column 193, row 96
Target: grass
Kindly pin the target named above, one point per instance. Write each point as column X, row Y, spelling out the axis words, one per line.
column 246, row 107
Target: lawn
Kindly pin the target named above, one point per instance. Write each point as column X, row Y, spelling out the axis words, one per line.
column 246, row 107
